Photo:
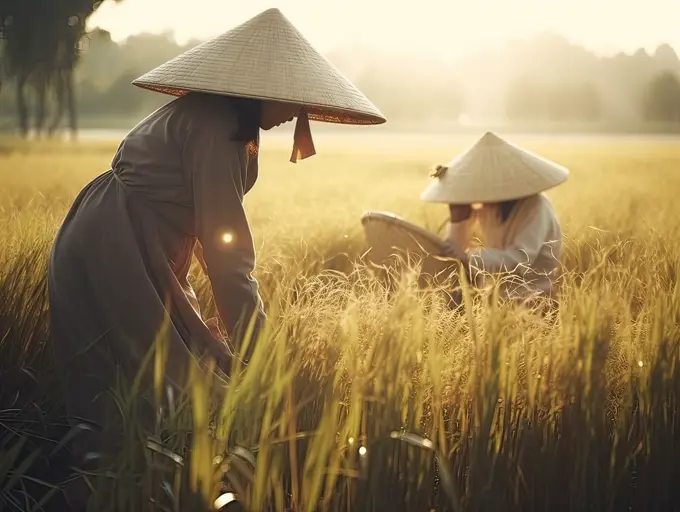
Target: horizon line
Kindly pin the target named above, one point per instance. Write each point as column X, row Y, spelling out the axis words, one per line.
column 511, row 40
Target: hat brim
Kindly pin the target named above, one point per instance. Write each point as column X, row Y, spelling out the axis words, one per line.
column 492, row 171
column 265, row 58
column 315, row 112
column 434, row 194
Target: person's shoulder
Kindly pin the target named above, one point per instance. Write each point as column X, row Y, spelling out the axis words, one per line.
column 538, row 202
column 206, row 111
column 537, row 205
column 545, row 209
column 545, row 203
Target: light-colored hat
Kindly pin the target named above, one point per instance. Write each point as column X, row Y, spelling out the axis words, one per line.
column 491, row 171
column 265, row 58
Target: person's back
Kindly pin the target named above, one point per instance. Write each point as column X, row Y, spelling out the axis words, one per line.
column 118, row 269
column 152, row 161
column 528, row 244
column 501, row 186
column 124, row 250
column 149, row 158
column 157, row 161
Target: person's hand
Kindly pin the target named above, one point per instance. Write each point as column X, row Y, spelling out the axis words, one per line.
column 460, row 212
column 451, row 250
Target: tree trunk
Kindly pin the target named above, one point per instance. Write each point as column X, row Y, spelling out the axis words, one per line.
column 22, row 111
column 41, row 90
column 71, row 103
column 59, row 92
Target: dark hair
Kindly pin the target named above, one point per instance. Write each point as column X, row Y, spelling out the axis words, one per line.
column 506, row 209
column 248, row 112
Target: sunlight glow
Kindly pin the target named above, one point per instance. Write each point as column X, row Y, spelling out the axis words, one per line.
column 447, row 28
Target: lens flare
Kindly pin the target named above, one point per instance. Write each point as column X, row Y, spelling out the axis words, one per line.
column 227, row 238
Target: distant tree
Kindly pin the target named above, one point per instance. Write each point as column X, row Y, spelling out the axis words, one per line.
column 40, row 49
column 99, row 59
column 662, row 99
column 412, row 98
column 666, row 58
column 522, row 101
column 587, row 101
column 535, row 80
column 123, row 99
column 527, row 100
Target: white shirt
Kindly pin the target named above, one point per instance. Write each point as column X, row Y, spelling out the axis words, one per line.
column 526, row 247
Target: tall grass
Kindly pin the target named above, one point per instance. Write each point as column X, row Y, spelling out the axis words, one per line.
column 364, row 394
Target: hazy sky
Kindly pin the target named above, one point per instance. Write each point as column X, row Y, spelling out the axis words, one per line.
column 445, row 28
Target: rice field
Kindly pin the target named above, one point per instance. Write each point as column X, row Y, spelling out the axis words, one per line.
column 367, row 395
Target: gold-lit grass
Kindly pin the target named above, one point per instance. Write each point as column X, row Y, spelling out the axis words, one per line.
column 364, row 396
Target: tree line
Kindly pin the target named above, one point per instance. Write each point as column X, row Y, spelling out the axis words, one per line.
column 39, row 51
column 545, row 79
column 532, row 101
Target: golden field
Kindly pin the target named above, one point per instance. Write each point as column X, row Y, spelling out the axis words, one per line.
column 516, row 411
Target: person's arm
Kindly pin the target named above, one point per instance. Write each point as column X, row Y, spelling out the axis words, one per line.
column 212, row 323
column 227, row 252
column 523, row 250
column 458, row 229
column 458, row 233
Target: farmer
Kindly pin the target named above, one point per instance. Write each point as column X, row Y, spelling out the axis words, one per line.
column 120, row 262
column 496, row 187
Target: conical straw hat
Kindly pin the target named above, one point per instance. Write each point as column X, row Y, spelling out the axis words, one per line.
column 493, row 170
column 265, row 58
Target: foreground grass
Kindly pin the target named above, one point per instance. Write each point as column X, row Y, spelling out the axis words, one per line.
column 364, row 396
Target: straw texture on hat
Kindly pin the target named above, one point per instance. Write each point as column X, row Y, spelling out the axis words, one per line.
column 265, row 58
column 493, row 170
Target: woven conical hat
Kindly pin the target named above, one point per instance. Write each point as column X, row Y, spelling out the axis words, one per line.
column 265, row 58
column 494, row 170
